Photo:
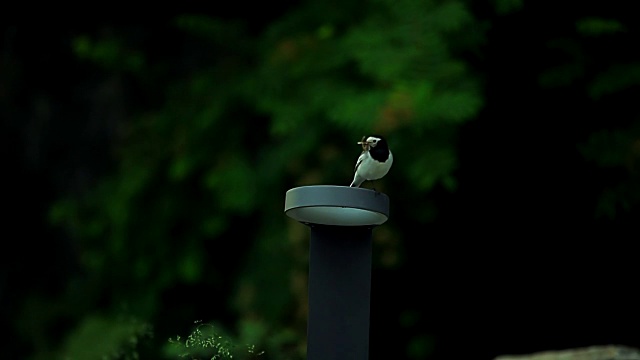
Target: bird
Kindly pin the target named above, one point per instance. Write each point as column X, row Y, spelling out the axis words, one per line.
column 374, row 162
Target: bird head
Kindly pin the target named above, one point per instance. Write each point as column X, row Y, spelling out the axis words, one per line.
column 371, row 141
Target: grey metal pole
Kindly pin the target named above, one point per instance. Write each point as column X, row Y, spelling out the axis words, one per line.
column 341, row 220
column 339, row 293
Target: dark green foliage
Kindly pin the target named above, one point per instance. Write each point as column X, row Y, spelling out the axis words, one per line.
column 186, row 222
column 208, row 342
column 98, row 337
column 207, row 168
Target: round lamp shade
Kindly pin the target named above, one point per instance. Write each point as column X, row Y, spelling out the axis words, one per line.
column 336, row 205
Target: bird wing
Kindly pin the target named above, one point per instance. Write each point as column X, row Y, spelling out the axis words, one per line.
column 360, row 159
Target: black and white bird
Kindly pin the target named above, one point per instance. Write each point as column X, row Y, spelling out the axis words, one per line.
column 374, row 162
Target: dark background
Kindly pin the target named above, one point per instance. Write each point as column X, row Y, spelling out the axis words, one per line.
column 524, row 254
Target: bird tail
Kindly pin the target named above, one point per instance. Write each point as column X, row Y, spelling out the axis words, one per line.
column 357, row 181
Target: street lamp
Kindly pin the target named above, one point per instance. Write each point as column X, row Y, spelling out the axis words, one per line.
column 341, row 220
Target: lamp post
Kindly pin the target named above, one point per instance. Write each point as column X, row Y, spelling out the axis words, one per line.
column 341, row 220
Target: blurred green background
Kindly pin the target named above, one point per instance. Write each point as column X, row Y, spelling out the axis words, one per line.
column 146, row 160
